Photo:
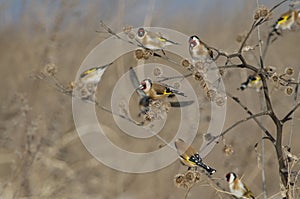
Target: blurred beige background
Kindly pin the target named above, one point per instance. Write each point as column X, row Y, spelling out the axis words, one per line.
column 41, row 155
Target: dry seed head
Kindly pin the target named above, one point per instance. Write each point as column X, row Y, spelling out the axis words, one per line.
column 199, row 65
column 275, row 78
column 271, row 69
column 84, row 93
column 198, row 76
column 220, row 101
column 149, row 116
column 262, row 11
column 131, row 35
column 197, row 176
column 289, row 71
column 50, row 69
column 222, row 71
column 91, row 87
column 127, row 29
column 147, row 54
column 289, row 90
column 189, row 177
column 185, row 63
column 179, row 180
column 157, row 71
column 176, row 85
column 228, row 150
column 139, row 54
column 211, row 94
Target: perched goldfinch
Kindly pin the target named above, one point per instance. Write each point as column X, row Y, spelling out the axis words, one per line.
column 189, row 156
column 145, row 100
column 158, row 90
column 237, row 187
column 286, row 21
column 152, row 40
column 253, row 81
column 198, row 49
column 93, row 75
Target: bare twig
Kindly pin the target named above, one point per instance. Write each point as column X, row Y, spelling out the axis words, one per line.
column 295, row 101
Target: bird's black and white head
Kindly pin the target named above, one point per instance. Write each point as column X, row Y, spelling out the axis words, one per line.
column 230, row 177
column 194, row 41
column 141, row 32
column 146, row 85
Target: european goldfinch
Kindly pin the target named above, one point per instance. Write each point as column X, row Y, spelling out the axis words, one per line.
column 286, row 21
column 158, row 91
column 198, row 49
column 237, row 187
column 93, row 75
column 189, row 156
column 253, row 81
column 152, row 40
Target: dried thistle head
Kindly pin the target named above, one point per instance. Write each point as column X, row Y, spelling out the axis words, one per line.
column 275, row 78
column 289, row 71
column 147, row 54
column 185, row 63
column 289, row 90
column 50, row 69
column 85, row 93
column 177, row 85
column 228, row 150
column 179, row 180
column 127, row 29
column 131, row 35
column 211, row 94
column 261, row 12
column 220, row 100
column 157, row 71
column 222, row 71
column 197, row 176
column 189, row 177
column 139, row 53
column 270, row 70
column 199, row 65
column 198, row 76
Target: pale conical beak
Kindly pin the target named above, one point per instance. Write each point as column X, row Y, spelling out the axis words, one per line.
column 141, row 86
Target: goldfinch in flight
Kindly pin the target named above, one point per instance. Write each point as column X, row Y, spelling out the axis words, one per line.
column 93, row 75
column 158, row 91
column 198, row 49
column 286, row 21
column 152, row 40
column 237, row 187
column 189, row 156
column 253, row 81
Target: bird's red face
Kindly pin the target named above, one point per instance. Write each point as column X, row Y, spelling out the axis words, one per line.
column 142, row 85
column 141, row 32
column 193, row 41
